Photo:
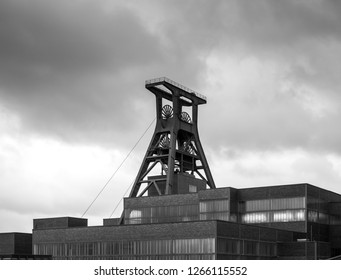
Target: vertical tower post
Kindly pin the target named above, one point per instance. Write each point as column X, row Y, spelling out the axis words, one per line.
column 175, row 154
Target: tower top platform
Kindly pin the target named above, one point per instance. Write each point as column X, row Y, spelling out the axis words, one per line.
column 187, row 92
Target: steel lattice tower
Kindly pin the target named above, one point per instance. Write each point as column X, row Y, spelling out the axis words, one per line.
column 175, row 151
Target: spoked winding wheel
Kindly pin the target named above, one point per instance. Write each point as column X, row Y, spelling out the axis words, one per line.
column 164, row 142
column 185, row 117
column 167, row 112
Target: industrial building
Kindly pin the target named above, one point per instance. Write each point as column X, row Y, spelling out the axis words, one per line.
column 18, row 246
column 175, row 211
column 277, row 222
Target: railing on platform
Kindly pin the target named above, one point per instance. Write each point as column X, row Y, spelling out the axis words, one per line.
column 167, row 80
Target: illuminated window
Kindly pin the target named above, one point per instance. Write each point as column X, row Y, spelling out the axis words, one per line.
column 257, row 217
column 267, row 210
column 289, row 216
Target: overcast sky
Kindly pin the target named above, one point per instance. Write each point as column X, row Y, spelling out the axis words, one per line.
column 73, row 102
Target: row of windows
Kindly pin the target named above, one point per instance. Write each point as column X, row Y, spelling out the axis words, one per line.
column 147, row 257
column 209, row 206
column 272, row 204
column 274, row 216
column 194, row 246
column 163, row 211
column 127, row 248
column 211, row 209
column 224, row 216
column 159, row 214
column 290, row 216
column 156, row 249
column 246, row 247
column 214, row 210
column 157, row 220
column 255, row 211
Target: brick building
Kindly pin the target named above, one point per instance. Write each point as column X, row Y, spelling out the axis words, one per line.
column 277, row 222
column 17, row 246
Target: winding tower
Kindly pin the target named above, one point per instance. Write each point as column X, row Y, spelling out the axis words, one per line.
column 175, row 161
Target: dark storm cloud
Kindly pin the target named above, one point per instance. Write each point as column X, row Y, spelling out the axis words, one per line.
column 301, row 41
column 75, row 69
column 284, row 23
column 63, row 65
column 261, row 24
column 72, row 37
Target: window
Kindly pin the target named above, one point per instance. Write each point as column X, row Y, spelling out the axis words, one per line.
column 138, row 249
column 194, row 246
column 273, row 210
column 257, row 217
column 192, row 189
column 274, row 216
column 257, row 205
column 250, row 248
column 229, row 246
column 214, row 209
column 135, row 216
column 161, row 214
column 214, row 206
column 288, row 203
column 289, row 216
column 267, row 249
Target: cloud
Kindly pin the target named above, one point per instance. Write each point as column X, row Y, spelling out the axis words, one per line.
column 263, row 168
column 273, row 77
column 258, row 107
column 75, row 69
column 72, row 38
column 72, row 97
column 69, row 68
